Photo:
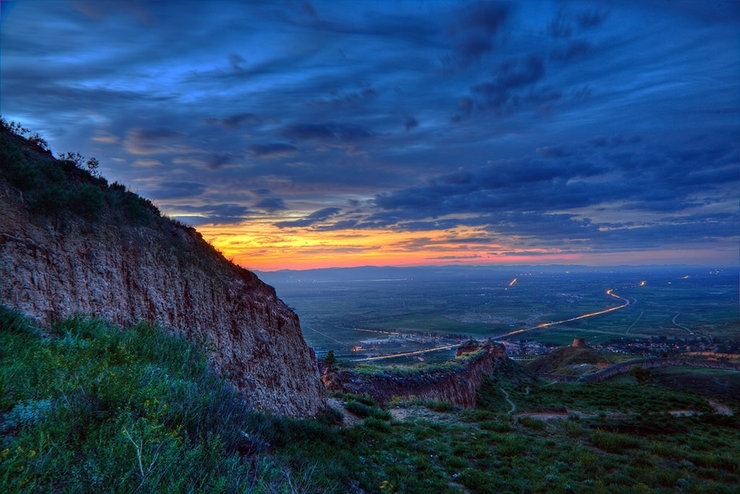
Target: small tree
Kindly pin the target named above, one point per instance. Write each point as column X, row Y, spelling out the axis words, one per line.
column 93, row 166
column 640, row 373
column 75, row 158
column 330, row 360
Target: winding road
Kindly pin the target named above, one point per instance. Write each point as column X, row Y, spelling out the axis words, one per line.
column 610, row 292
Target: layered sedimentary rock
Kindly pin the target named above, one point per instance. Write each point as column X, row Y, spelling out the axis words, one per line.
column 457, row 384
column 55, row 265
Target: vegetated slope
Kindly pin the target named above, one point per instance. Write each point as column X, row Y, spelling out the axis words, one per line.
column 88, row 407
column 69, row 243
column 569, row 361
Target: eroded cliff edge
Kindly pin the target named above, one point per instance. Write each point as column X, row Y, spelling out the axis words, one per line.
column 458, row 382
column 80, row 245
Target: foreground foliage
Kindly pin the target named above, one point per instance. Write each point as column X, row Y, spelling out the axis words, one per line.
column 88, row 407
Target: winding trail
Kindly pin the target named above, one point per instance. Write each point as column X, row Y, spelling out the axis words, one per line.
column 508, row 400
column 633, row 324
column 681, row 325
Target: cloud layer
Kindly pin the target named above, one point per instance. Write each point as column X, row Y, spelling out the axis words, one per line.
column 401, row 132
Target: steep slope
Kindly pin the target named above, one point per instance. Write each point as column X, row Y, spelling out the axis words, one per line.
column 70, row 243
column 457, row 382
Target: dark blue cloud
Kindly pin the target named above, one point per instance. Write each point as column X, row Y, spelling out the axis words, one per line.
column 475, row 27
column 326, row 132
column 272, row 149
column 311, row 219
column 271, row 204
column 217, row 214
column 580, row 124
column 175, row 190
column 236, row 120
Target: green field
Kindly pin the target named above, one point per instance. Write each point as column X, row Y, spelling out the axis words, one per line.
column 483, row 302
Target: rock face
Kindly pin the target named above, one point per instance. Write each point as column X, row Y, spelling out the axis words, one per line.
column 579, row 343
column 458, row 385
column 161, row 272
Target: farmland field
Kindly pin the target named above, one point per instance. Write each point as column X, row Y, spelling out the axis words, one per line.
column 365, row 312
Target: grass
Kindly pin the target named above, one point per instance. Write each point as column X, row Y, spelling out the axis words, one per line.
column 60, row 189
column 89, row 407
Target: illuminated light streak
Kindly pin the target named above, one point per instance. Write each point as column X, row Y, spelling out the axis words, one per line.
column 407, row 354
column 375, row 331
column 609, row 292
column 512, row 282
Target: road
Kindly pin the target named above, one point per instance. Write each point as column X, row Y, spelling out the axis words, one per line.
column 681, row 325
column 406, row 354
column 610, row 292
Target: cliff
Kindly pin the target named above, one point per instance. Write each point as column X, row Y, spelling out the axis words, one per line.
column 457, row 382
column 69, row 242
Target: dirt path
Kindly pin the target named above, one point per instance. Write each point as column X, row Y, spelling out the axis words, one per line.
column 720, row 408
column 508, row 400
column 420, row 412
column 347, row 418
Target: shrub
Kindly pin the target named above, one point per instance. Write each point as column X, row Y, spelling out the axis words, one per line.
column 613, row 442
column 96, row 408
column 512, row 446
column 496, row 426
column 532, row 423
column 359, row 409
column 440, row 406
column 377, row 424
column 87, row 201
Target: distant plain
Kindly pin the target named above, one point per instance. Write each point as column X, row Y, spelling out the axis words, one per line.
column 419, row 308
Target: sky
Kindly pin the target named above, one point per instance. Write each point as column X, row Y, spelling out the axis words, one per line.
column 338, row 133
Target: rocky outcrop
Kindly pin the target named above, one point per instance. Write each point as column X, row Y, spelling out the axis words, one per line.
column 457, row 382
column 655, row 363
column 158, row 271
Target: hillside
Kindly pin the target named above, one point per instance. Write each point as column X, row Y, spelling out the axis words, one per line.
column 89, row 407
column 70, row 242
column 573, row 360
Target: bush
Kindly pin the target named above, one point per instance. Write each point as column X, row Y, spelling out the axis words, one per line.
column 613, row 442
column 96, row 408
column 87, row 201
column 440, row 406
column 532, row 423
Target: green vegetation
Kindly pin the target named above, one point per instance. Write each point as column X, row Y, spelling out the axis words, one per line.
column 89, row 407
column 66, row 187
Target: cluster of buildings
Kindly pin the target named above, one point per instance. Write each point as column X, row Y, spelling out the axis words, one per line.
column 656, row 346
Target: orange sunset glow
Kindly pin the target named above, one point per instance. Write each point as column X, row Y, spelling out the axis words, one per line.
column 264, row 247
column 401, row 133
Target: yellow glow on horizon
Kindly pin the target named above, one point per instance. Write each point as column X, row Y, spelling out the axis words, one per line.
column 265, row 247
